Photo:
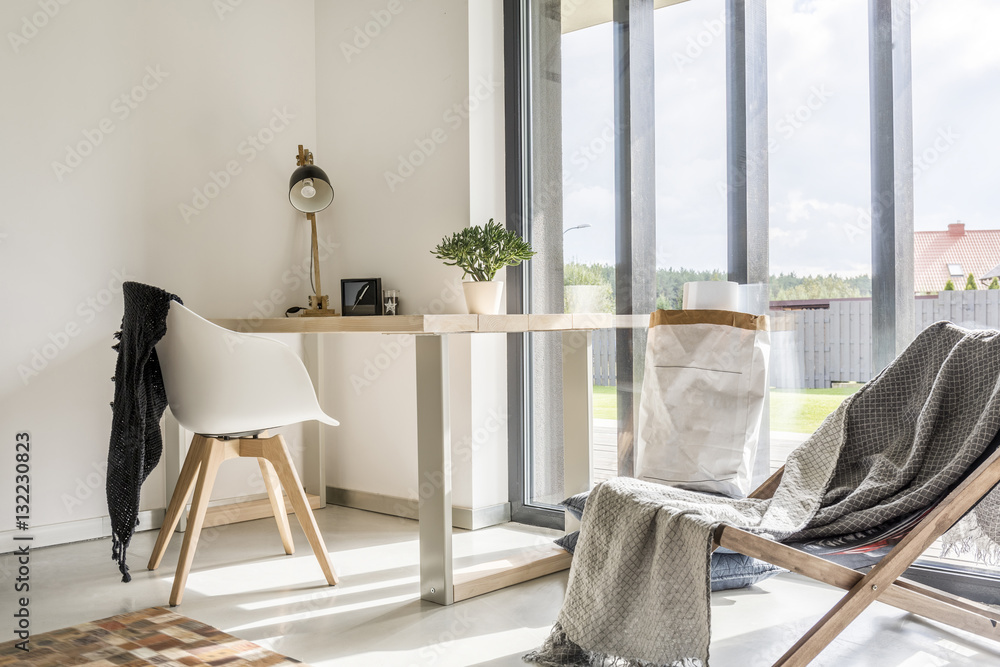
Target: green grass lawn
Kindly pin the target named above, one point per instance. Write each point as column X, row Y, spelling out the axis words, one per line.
column 795, row 410
column 605, row 403
column 803, row 410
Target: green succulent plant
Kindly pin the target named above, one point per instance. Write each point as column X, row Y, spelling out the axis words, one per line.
column 482, row 251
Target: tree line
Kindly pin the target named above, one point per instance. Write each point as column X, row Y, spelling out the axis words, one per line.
column 591, row 287
column 594, row 284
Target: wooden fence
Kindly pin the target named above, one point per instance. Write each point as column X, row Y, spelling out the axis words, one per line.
column 815, row 348
column 604, row 357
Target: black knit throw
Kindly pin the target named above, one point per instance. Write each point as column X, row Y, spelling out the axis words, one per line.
column 140, row 400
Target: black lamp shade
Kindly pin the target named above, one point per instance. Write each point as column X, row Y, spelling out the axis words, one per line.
column 320, row 181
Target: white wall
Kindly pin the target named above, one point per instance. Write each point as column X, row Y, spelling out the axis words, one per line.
column 271, row 74
column 410, row 107
column 67, row 237
column 488, row 403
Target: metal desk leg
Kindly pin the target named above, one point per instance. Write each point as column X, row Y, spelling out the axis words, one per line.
column 578, row 415
column 314, row 432
column 434, row 469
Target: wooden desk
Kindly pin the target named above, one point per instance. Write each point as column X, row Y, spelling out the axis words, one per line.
column 439, row 582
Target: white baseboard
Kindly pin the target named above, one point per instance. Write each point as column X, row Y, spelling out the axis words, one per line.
column 461, row 517
column 100, row 527
column 74, row 531
column 95, row 528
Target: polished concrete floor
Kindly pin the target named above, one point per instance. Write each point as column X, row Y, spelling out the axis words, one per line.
column 243, row 584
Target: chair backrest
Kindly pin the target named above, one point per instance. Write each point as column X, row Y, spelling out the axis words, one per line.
column 221, row 382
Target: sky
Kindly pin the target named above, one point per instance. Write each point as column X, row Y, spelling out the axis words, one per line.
column 818, row 124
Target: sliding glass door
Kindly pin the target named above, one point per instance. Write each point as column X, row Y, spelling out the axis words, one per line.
column 956, row 69
column 652, row 142
column 562, row 116
column 820, row 202
column 621, row 153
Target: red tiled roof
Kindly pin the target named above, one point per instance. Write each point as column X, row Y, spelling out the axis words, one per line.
column 977, row 250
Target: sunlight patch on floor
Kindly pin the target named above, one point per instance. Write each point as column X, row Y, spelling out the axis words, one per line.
column 340, row 589
column 319, row 613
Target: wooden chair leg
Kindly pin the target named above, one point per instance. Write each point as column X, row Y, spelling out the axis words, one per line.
column 214, row 454
column 185, row 482
column 881, row 577
column 276, row 452
column 827, row 628
column 277, row 504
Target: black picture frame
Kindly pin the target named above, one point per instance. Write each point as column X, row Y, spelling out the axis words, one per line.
column 361, row 296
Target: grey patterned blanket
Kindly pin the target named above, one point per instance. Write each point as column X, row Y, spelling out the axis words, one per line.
column 638, row 591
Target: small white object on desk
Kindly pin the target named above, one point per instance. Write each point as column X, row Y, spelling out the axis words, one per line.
column 710, row 295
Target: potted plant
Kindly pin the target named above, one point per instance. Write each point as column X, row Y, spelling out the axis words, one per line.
column 480, row 252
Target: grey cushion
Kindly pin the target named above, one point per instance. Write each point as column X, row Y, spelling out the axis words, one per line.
column 735, row 570
column 575, row 504
column 568, row 541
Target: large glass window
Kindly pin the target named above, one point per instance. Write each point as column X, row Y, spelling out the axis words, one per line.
column 571, row 223
column 956, row 67
column 819, row 180
column 589, row 210
column 690, row 94
column 820, row 198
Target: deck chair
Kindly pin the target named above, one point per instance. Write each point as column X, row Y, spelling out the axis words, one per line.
column 890, row 471
column 884, row 581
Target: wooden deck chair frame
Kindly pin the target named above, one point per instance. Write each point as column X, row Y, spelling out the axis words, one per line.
column 883, row 582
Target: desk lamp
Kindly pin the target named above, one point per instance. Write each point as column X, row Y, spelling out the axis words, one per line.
column 309, row 191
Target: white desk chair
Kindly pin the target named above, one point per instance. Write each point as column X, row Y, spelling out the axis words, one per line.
column 229, row 388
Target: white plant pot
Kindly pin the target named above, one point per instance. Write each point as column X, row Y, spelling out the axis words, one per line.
column 483, row 297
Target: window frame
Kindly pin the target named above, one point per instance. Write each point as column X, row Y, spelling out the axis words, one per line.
column 748, row 232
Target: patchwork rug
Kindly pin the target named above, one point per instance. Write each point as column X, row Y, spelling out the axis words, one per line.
column 152, row 636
